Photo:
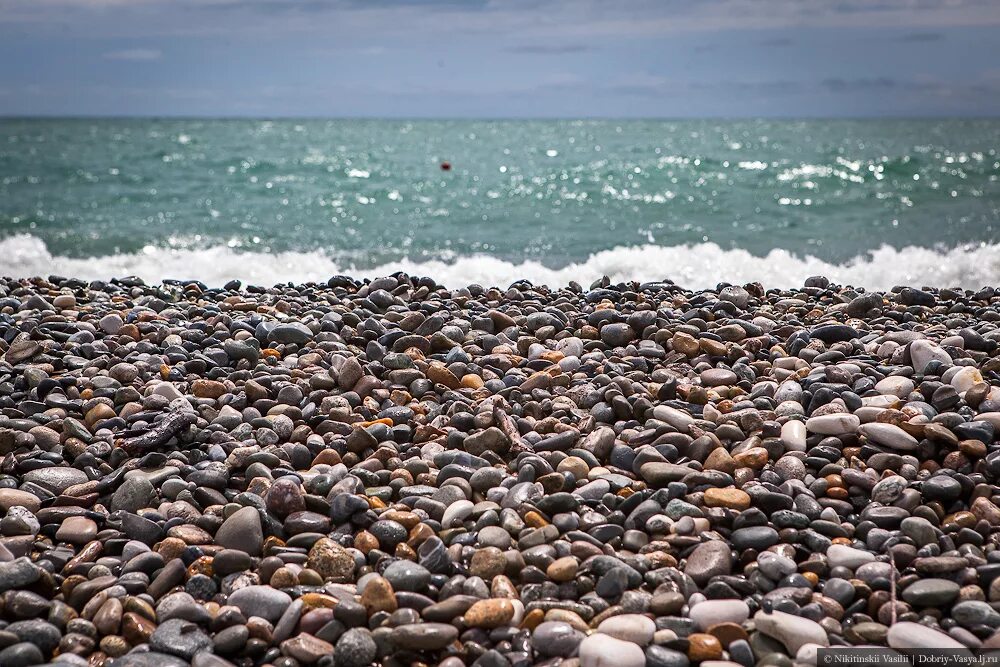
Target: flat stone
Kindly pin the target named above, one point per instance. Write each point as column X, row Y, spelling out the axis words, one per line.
column 709, row 559
column 974, row 613
column 602, row 650
column 492, row 613
column 264, row 601
column 424, row 636
column 16, row 497
column 895, row 385
column 77, row 529
column 242, row 531
column 840, row 555
column 18, row 573
column 306, row 649
column 834, row 424
column 293, row 332
column 659, row 474
column 889, row 435
column 718, row 377
column 181, row 638
column 634, row 628
column 491, row 439
column 407, row 576
column 661, row 656
column 734, row 499
column 134, row 494
column 712, row 612
column 21, row 654
column 931, row 593
column 56, row 480
column 556, row 639
column 905, row 635
column 792, row 631
column 676, row 418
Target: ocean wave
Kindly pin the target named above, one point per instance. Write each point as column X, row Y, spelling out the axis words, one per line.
column 696, row 266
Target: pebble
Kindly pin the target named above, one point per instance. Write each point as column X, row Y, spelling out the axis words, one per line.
column 931, row 593
column 242, row 531
column 556, row 639
column 492, row 613
column 833, row 424
column 708, row 560
column 424, row 636
column 889, row 435
column 712, row 612
column 792, row 631
column 179, row 637
column 263, row 601
column 906, row 635
column 633, row 628
column 355, row 648
column 841, row 555
column 601, row 650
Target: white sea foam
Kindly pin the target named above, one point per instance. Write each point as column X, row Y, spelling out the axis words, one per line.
column 698, row 266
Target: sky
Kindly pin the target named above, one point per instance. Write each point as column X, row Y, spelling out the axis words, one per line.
column 500, row 58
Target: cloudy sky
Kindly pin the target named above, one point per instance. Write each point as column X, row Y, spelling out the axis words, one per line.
column 500, row 58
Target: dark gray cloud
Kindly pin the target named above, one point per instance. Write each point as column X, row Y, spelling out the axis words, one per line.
column 550, row 49
column 664, row 88
column 327, row 5
column 922, row 37
column 840, row 85
column 134, row 55
column 985, row 90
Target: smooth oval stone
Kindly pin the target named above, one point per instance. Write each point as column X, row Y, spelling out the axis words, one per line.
column 242, row 531
column 834, row 424
column 709, row 559
column 556, row 638
column 895, row 385
column 718, row 377
column 905, row 635
column 424, row 636
column 407, row 576
column 676, row 418
column 973, row 613
column 633, row 628
column 889, row 435
column 754, row 537
column 931, row 592
column 56, row 480
column 601, row 650
column 792, row 631
column 841, row 555
column 793, row 436
column 264, row 601
column 710, row 612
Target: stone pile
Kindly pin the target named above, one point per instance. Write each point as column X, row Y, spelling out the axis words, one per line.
column 391, row 472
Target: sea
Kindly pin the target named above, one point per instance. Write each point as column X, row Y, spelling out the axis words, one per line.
column 874, row 203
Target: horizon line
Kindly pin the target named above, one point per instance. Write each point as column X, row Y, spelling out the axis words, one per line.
column 431, row 118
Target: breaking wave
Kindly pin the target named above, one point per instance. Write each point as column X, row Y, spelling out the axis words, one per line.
column 693, row 266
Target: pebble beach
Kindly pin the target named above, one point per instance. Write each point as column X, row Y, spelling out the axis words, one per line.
column 391, row 472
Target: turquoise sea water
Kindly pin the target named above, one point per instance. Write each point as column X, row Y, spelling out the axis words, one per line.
column 553, row 197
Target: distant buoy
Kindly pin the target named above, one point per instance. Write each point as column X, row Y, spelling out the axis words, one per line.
column 446, row 166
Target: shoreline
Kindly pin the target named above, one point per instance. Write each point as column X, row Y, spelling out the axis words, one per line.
column 692, row 266
column 390, row 471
